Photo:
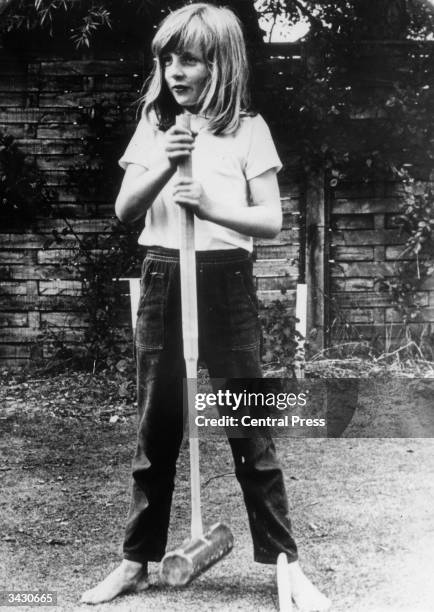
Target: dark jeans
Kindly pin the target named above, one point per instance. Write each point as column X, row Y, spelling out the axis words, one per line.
column 229, row 335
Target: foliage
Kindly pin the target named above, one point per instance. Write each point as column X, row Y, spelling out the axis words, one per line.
column 117, row 253
column 23, row 192
column 328, row 20
column 106, row 344
column 77, row 19
column 94, row 180
column 416, row 263
column 280, row 338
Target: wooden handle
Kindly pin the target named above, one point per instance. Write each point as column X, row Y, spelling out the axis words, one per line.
column 190, row 335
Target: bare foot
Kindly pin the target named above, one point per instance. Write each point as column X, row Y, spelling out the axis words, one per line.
column 129, row 576
column 306, row 596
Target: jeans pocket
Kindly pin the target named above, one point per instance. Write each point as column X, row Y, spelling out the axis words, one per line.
column 243, row 310
column 150, row 314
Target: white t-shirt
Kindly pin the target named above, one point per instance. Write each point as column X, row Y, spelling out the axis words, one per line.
column 222, row 164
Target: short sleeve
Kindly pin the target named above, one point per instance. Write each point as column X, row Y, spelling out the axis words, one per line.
column 140, row 146
column 261, row 154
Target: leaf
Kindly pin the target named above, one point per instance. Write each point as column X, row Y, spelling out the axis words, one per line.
column 122, row 365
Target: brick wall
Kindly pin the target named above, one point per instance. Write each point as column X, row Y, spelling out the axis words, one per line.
column 44, row 101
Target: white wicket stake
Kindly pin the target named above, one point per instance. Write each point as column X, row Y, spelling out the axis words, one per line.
column 283, row 584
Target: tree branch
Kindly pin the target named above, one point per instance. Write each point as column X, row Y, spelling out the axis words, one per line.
column 4, row 5
column 314, row 21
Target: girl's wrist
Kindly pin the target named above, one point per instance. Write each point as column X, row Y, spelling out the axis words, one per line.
column 169, row 166
column 207, row 210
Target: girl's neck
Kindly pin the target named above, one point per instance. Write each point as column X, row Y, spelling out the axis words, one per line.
column 194, row 113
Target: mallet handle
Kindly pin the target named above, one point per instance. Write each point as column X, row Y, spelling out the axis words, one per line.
column 190, row 334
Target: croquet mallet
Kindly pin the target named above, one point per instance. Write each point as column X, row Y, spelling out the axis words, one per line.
column 194, row 556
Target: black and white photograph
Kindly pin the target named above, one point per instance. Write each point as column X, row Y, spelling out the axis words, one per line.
column 217, row 305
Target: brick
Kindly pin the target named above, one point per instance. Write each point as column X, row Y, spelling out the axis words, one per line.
column 81, row 226
column 51, row 146
column 348, row 253
column 64, row 303
column 34, row 319
column 344, row 206
column 275, row 267
column 54, row 256
column 59, row 287
column 289, row 189
column 347, row 190
column 364, row 315
column 56, row 162
column 65, row 319
column 278, row 252
column 21, row 257
column 368, row 237
column 14, row 351
column 379, row 221
column 13, row 319
column 373, row 299
column 12, row 98
column 276, row 283
column 90, row 67
column 291, row 204
column 14, row 365
column 349, row 222
column 289, row 297
column 19, row 130
column 397, row 252
column 13, row 288
column 17, row 272
column 22, row 335
column 284, row 237
column 62, row 130
column 359, row 269
column 20, row 115
column 83, row 99
column 428, row 283
column 352, row 284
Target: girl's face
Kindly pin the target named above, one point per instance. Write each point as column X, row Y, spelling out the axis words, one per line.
column 186, row 74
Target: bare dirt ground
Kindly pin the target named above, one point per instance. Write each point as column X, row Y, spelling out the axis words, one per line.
column 361, row 507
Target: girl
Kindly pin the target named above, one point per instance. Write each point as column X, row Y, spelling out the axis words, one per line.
column 201, row 69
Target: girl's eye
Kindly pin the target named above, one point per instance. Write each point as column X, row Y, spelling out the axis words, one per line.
column 165, row 60
column 189, row 59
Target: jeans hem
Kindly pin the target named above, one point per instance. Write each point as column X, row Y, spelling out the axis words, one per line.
column 143, row 558
column 272, row 559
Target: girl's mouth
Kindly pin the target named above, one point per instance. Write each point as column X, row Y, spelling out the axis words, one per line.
column 180, row 88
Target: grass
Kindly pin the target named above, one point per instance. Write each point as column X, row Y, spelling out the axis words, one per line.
column 360, row 507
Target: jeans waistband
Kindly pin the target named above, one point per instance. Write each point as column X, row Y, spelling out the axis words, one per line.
column 222, row 256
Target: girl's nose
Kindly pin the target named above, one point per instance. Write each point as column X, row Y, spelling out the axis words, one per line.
column 175, row 68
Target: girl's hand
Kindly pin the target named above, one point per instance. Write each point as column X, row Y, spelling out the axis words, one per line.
column 179, row 143
column 188, row 193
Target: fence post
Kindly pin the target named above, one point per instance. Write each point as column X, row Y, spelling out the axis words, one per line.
column 316, row 260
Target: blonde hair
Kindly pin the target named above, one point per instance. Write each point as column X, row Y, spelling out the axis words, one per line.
column 217, row 31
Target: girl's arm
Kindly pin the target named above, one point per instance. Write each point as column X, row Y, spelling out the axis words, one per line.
column 262, row 219
column 139, row 189
column 141, row 186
